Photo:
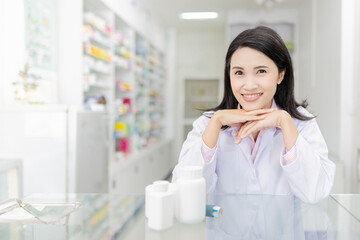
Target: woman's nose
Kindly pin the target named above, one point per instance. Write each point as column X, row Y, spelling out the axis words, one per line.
column 250, row 83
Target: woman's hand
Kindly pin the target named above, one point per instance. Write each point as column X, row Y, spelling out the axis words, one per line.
column 229, row 117
column 236, row 117
column 273, row 119
column 270, row 120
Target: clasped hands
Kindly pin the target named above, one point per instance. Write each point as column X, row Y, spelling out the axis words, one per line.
column 250, row 122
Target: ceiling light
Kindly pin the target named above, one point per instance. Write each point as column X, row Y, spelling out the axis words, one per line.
column 199, row 15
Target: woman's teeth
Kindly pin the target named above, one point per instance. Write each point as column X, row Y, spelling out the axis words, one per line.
column 252, row 95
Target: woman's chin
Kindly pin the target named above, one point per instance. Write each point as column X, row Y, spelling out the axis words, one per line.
column 249, row 108
column 253, row 106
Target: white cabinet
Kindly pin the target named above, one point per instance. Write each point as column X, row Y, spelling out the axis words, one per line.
column 11, row 185
column 142, row 169
column 62, row 149
column 88, row 150
column 37, row 137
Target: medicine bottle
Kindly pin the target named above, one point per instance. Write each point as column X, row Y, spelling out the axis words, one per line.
column 149, row 188
column 190, row 195
column 160, row 208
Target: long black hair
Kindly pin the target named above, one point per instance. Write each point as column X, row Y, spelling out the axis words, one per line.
column 267, row 41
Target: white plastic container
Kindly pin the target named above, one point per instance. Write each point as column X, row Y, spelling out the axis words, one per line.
column 160, row 207
column 190, row 195
column 173, row 190
column 149, row 188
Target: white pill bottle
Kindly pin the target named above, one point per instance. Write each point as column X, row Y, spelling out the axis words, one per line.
column 190, row 195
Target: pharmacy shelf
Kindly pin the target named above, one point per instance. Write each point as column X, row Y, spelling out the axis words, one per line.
column 122, row 65
column 97, row 56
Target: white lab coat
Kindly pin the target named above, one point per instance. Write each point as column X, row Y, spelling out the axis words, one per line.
column 231, row 170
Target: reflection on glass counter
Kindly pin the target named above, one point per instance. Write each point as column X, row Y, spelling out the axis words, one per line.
column 350, row 202
column 95, row 216
column 104, row 216
column 270, row 217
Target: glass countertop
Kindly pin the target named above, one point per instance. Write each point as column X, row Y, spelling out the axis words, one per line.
column 351, row 202
column 110, row 216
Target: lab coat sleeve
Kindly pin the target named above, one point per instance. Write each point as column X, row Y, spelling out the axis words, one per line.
column 191, row 155
column 311, row 175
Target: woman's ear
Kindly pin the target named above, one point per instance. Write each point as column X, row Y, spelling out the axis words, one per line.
column 281, row 76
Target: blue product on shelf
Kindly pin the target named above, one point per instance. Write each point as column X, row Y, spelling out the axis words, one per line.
column 90, row 100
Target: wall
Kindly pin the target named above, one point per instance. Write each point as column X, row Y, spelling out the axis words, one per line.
column 199, row 55
column 331, row 81
column 319, row 80
column 357, row 85
column 349, row 110
column 70, row 55
column 306, row 54
column 12, row 46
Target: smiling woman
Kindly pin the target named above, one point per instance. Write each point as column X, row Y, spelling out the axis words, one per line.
column 259, row 140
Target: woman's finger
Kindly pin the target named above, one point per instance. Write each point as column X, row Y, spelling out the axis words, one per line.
column 256, row 118
column 236, row 133
column 239, row 130
column 235, row 125
column 242, row 130
column 250, row 129
column 260, row 111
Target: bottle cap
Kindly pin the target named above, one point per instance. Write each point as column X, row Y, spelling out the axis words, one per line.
column 217, row 211
column 213, row 211
column 190, row 172
column 160, row 186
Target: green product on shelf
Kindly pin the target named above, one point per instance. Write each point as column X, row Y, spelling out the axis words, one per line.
column 290, row 45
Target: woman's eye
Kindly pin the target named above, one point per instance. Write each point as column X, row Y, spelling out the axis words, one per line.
column 238, row 73
column 261, row 71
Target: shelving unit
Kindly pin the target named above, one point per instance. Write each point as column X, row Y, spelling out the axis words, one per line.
column 157, row 82
column 97, row 56
column 142, row 110
column 123, row 52
column 124, row 74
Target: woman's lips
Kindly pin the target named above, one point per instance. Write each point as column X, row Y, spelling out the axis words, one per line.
column 251, row 97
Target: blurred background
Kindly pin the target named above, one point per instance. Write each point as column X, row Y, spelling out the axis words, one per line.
column 97, row 96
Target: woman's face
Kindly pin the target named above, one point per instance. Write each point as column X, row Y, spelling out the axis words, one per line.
column 253, row 77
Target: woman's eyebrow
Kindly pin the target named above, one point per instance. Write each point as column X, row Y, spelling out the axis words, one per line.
column 257, row 67
column 237, row 67
column 263, row 66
